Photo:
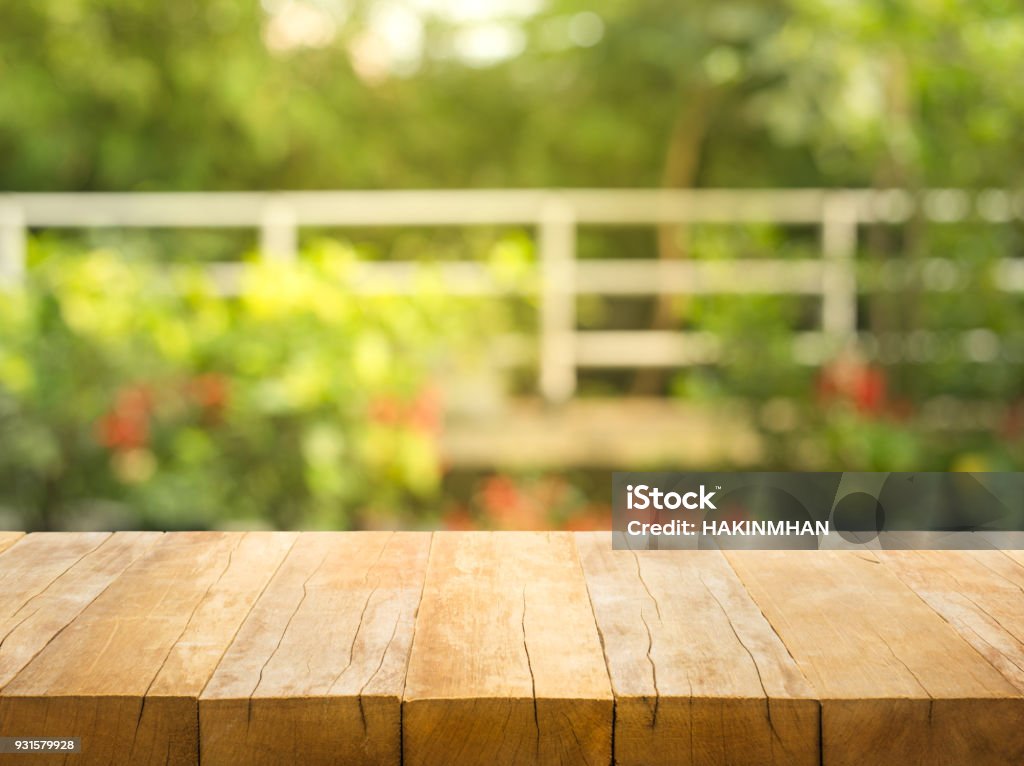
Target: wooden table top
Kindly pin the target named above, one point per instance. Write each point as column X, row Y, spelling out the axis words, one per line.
column 505, row 648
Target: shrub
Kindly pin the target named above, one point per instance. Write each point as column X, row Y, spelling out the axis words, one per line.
column 132, row 395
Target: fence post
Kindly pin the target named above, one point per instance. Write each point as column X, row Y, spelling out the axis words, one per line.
column 839, row 285
column 557, row 252
column 279, row 232
column 12, row 244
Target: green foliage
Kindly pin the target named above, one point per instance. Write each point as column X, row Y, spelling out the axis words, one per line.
column 300, row 403
column 755, row 331
column 119, row 95
column 195, row 94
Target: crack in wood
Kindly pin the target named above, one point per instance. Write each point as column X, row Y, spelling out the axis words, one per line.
column 170, row 650
column 975, row 627
column 63, row 572
column 768, row 622
column 355, row 638
column 643, row 582
column 412, row 643
column 1012, row 634
column 654, row 669
column 383, row 656
column 959, row 625
column 650, row 640
column 999, row 574
column 994, row 648
column 42, row 591
column 767, row 698
column 604, row 652
column 917, row 680
column 362, row 616
column 284, row 632
column 533, row 680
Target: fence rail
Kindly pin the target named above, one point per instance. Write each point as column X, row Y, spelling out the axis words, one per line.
column 556, row 216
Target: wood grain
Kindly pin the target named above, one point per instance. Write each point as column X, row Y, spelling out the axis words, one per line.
column 28, row 571
column 160, row 627
column 506, row 665
column 979, row 593
column 506, row 648
column 319, row 665
column 1016, row 555
column 699, row 675
column 897, row 683
column 7, row 539
column 39, row 559
column 27, row 629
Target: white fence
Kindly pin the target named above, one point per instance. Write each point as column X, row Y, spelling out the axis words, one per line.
column 556, row 216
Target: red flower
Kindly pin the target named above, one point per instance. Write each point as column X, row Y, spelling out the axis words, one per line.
column 458, row 518
column 507, row 506
column 210, row 390
column 1012, row 424
column 134, row 401
column 869, row 390
column 385, row 410
column 211, row 393
column 425, row 413
column 122, row 431
column 126, row 426
column 500, row 494
column 852, row 381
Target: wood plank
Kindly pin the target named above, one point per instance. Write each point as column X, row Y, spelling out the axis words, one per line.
column 319, row 665
column 160, row 627
column 506, row 666
column 7, row 539
column 1017, row 556
column 896, row 682
column 28, row 568
column 979, row 593
column 24, row 632
column 699, row 675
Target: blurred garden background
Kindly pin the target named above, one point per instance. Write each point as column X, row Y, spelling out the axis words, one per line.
column 807, row 253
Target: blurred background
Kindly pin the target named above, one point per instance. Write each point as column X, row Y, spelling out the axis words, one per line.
column 447, row 264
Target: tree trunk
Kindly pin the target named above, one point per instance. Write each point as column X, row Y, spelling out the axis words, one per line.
column 898, row 311
column 682, row 165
